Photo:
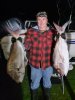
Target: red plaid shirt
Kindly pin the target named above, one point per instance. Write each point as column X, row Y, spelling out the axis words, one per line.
column 39, row 46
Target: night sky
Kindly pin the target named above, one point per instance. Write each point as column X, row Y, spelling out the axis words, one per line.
column 57, row 10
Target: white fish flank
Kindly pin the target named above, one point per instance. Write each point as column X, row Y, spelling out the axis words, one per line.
column 61, row 54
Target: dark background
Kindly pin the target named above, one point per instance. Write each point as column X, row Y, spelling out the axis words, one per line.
column 57, row 10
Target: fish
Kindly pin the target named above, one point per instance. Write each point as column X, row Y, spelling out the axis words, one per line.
column 61, row 54
column 16, row 60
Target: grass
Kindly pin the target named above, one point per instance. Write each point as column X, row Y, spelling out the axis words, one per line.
column 56, row 90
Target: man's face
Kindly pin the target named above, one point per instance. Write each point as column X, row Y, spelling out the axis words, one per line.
column 42, row 22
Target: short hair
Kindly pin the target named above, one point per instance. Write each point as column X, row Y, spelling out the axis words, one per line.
column 41, row 14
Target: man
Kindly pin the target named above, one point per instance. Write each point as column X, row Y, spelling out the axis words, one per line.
column 39, row 41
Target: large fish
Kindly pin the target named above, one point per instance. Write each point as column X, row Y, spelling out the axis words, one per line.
column 61, row 54
column 16, row 59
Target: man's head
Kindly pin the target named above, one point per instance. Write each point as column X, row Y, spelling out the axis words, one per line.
column 42, row 20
